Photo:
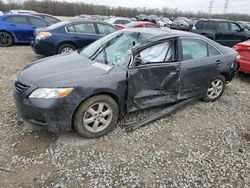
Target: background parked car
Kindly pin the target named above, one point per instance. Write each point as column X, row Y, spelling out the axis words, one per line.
column 22, row 12
column 67, row 36
column 141, row 24
column 225, row 32
column 164, row 22
column 47, row 17
column 1, row 13
column 142, row 17
column 90, row 89
column 19, row 28
column 180, row 24
column 153, row 18
column 119, row 22
column 244, row 59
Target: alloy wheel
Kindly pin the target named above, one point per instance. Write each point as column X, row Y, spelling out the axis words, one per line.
column 5, row 39
column 215, row 88
column 67, row 50
column 97, row 117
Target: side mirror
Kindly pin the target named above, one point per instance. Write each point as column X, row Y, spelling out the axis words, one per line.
column 137, row 60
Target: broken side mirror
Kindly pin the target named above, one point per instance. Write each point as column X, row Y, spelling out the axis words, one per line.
column 137, row 60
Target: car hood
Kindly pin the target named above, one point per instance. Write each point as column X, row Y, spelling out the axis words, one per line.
column 63, row 70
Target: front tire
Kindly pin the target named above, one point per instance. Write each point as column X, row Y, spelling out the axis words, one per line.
column 66, row 49
column 96, row 116
column 215, row 89
column 6, row 39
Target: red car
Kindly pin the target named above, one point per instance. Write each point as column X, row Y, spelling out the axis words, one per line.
column 244, row 58
column 139, row 24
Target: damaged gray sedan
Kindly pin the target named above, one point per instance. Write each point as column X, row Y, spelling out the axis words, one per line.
column 90, row 89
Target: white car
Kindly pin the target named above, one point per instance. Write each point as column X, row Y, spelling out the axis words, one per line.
column 22, row 12
column 1, row 12
column 164, row 22
column 119, row 21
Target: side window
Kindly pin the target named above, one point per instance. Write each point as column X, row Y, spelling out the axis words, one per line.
column 163, row 52
column 211, row 25
column 70, row 29
column 85, row 28
column 37, row 22
column 105, row 29
column 223, row 26
column 119, row 22
column 235, row 27
column 193, row 49
column 18, row 20
column 50, row 19
column 212, row 51
column 126, row 22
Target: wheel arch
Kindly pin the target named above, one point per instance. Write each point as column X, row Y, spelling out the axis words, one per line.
column 226, row 76
column 65, row 42
column 108, row 93
column 12, row 34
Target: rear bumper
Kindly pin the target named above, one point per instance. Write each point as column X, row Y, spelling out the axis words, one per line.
column 244, row 65
column 44, row 47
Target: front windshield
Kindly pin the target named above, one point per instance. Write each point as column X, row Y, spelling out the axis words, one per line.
column 113, row 48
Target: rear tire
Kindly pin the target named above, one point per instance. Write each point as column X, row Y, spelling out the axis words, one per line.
column 215, row 89
column 6, row 39
column 96, row 116
column 66, row 49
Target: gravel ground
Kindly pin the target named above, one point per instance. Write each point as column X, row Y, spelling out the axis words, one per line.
column 201, row 145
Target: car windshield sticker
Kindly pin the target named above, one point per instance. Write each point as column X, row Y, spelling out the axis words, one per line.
column 102, row 66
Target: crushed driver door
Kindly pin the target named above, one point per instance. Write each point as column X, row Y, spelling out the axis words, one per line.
column 155, row 82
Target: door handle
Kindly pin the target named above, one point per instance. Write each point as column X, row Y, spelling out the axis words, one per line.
column 12, row 24
column 218, row 62
column 75, row 37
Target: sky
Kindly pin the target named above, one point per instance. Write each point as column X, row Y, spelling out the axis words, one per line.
column 235, row 6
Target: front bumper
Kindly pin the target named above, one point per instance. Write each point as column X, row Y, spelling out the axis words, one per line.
column 52, row 114
column 44, row 47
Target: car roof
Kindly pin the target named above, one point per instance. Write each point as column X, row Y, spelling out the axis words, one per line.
column 157, row 34
column 12, row 15
column 217, row 20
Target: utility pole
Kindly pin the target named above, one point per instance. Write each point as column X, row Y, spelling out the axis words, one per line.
column 226, row 6
column 210, row 6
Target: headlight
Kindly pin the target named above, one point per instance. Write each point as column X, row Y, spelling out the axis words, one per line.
column 43, row 35
column 49, row 93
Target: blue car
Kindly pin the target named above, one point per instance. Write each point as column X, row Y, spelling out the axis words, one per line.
column 19, row 28
column 67, row 36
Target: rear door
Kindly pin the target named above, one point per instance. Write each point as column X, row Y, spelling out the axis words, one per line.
column 200, row 63
column 153, row 77
column 19, row 25
column 85, row 34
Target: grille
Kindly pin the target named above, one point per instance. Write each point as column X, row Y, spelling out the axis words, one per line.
column 19, row 87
